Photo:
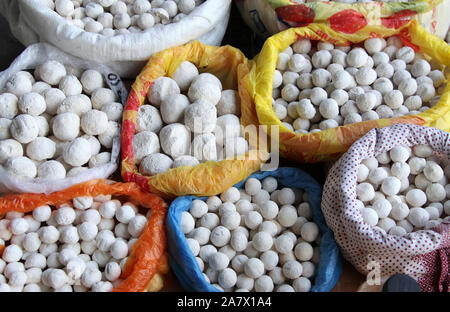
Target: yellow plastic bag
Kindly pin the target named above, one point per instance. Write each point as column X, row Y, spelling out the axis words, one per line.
column 207, row 178
column 268, row 17
column 329, row 144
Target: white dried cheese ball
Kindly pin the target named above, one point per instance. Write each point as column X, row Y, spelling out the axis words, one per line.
column 107, row 138
column 144, row 144
column 435, row 192
column 420, row 68
column 52, row 72
column 24, row 128
column 70, row 85
column 292, row 269
column 185, row 160
column 10, row 148
column 200, row 117
column 40, row 149
column 365, row 191
column 19, row 83
column 173, row 107
column 94, row 122
column 66, row 126
column 406, row 54
column 357, row 57
column 32, row 103
column 51, row 169
column 433, row 172
column 321, row 59
column 77, row 152
column 184, row 75
column 374, row 45
column 218, row 261
column 198, row 208
column 254, row 268
column 91, row 80
column 8, row 105
column 21, row 166
column 78, row 104
column 102, row 96
column 154, row 164
column 365, row 76
column 418, row 217
column 329, row 108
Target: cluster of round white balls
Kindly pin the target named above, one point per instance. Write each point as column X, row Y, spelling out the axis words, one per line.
column 184, row 130
column 54, row 123
column 79, row 247
column 254, row 239
column 326, row 86
column 115, row 17
column 404, row 190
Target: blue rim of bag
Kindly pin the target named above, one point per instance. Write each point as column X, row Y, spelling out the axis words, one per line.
column 183, row 262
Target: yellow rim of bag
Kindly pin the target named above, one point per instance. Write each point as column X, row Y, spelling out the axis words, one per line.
column 351, row 17
column 329, row 144
column 209, row 178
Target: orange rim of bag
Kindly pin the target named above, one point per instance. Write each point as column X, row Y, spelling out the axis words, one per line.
column 147, row 257
column 329, row 144
column 209, row 178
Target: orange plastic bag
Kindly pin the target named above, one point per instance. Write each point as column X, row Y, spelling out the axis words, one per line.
column 209, row 178
column 148, row 258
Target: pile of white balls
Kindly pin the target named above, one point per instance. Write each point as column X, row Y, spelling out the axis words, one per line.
column 79, row 247
column 260, row 238
column 57, row 123
column 115, row 17
column 177, row 130
column 318, row 86
column 404, row 190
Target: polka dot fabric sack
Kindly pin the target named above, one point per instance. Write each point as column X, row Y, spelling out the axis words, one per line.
column 421, row 253
column 184, row 264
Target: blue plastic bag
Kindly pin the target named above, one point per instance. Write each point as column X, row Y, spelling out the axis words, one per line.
column 183, row 262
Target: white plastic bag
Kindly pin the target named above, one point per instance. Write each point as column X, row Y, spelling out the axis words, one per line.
column 33, row 56
column 125, row 54
column 370, row 250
